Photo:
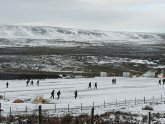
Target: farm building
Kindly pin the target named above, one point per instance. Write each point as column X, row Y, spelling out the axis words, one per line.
column 126, row 74
column 103, row 74
column 150, row 74
column 160, row 71
column 162, row 75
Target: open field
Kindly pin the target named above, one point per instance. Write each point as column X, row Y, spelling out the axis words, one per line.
column 115, row 57
column 126, row 88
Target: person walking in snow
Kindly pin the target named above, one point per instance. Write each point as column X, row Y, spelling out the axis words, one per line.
column 52, row 94
column 38, row 83
column 58, row 94
column 27, row 82
column 95, row 85
column 7, row 85
column 163, row 80
column 75, row 94
column 89, row 86
column 159, row 82
column 31, row 83
column 113, row 81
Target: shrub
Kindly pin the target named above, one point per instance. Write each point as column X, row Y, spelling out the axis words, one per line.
column 1, row 97
column 147, row 107
column 18, row 101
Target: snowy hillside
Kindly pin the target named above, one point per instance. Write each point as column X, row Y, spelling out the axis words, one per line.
column 53, row 49
column 50, row 35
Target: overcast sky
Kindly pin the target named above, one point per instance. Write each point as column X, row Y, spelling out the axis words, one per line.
column 112, row 15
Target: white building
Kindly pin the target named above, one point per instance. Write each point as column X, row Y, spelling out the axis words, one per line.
column 126, row 74
column 150, row 74
column 103, row 74
column 162, row 75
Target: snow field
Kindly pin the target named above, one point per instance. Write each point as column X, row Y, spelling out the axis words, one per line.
column 126, row 88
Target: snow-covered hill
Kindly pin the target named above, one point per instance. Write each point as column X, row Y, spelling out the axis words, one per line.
column 76, row 50
column 39, row 36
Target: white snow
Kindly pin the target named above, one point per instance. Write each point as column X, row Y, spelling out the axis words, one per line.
column 126, row 88
column 161, row 66
column 40, row 35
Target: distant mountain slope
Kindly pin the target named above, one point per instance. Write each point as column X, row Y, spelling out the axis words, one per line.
column 40, row 36
column 31, row 49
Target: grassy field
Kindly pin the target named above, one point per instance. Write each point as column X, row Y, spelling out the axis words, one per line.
column 79, row 60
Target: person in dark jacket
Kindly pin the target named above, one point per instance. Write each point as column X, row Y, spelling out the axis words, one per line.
column 27, row 82
column 31, row 83
column 7, row 85
column 95, row 85
column 52, row 94
column 159, row 82
column 58, row 94
column 38, row 83
column 163, row 81
column 89, row 86
column 75, row 94
column 113, row 81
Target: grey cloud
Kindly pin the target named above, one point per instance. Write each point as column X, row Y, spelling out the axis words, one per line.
column 129, row 15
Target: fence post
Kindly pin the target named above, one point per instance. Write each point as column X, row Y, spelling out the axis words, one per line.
column 144, row 100
column 104, row 103
column 149, row 118
column 40, row 114
column 93, row 104
column 0, row 112
column 116, row 102
column 26, row 110
column 161, row 99
column 10, row 112
column 92, row 115
column 135, row 101
column 153, row 99
column 125, row 102
column 68, row 108
column 10, row 119
column 81, row 106
column 4, row 96
column 55, row 108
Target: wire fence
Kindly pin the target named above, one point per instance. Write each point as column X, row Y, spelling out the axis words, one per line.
column 82, row 109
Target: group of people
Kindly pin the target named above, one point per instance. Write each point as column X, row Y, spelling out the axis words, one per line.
column 27, row 83
column 59, row 93
column 90, row 85
column 161, row 82
column 31, row 82
column 114, row 81
column 75, row 93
